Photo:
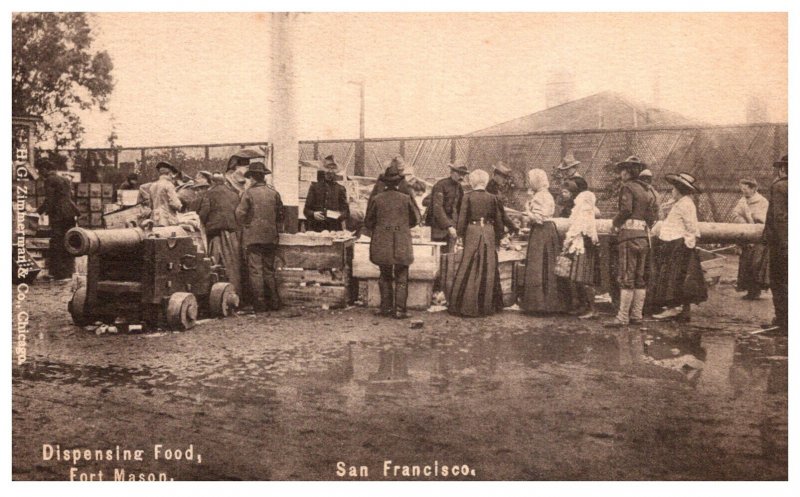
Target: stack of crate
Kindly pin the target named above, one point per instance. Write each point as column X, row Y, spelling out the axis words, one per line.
column 92, row 199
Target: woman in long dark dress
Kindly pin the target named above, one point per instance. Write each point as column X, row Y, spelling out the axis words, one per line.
column 476, row 289
column 542, row 290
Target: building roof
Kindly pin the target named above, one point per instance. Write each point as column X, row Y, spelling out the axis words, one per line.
column 605, row 110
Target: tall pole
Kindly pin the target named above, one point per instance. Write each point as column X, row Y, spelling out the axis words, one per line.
column 359, row 168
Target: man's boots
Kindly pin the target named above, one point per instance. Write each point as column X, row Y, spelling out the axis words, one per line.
column 639, row 296
column 623, row 316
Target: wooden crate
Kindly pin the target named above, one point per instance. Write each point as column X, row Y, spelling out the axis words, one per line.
column 95, row 190
column 107, row 190
column 83, row 190
column 96, row 219
column 334, row 297
column 420, row 293
column 426, row 265
column 95, row 204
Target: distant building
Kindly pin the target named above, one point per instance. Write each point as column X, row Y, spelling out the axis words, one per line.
column 606, row 110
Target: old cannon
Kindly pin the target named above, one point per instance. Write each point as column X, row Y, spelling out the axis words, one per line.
column 159, row 277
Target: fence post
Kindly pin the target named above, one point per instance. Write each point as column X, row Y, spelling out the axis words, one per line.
column 403, row 149
column 452, row 150
column 207, row 156
column 316, row 150
column 358, row 168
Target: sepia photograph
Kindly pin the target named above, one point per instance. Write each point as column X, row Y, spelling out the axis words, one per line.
column 399, row 246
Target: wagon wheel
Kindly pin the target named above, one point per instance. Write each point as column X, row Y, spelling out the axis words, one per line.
column 222, row 299
column 181, row 311
column 77, row 308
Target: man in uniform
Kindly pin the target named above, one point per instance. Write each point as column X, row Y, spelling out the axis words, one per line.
column 445, row 205
column 498, row 185
column 163, row 197
column 260, row 213
column 390, row 216
column 380, row 186
column 638, row 211
column 217, row 212
column 238, row 165
column 61, row 211
column 568, row 171
column 776, row 236
column 326, row 205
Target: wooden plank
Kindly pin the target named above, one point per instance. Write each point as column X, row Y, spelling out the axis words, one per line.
column 323, row 276
column 314, row 257
column 416, row 271
column 118, row 287
column 420, row 294
column 294, row 295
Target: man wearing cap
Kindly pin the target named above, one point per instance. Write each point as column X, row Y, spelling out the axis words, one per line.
column 498, row 185
column 238, row 164
column 380, row 186
column 326, row 207
column 390, row 216
column 217, row 212
column 776, row 236
column 636, row 215
column 193, row 195
column 442, row 214
column 164, row 198
column 260, row 213
column 61, row 211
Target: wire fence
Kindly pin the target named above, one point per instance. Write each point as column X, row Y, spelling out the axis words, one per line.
column 718, row 156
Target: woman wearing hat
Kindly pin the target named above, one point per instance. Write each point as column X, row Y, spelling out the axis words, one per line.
column 476, row 289
column 542, row 290
column 679, row 280
column 753, row 273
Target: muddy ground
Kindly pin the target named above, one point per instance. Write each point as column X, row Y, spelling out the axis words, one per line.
column 511, row 396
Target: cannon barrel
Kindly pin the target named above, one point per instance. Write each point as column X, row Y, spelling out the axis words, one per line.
column 82, row 241
column 709, row 232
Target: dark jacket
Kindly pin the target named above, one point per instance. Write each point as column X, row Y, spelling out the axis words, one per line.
column 776, row 227
column 390, row 216
column 218, row 210
column 443, row 211
column 637, row 200
column 324, row 196
column 494, row 188
column 480, row 205
column 58, row 204
column 259, row 213
column 381, row 187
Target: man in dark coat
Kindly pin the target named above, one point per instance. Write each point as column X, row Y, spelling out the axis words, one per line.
column 217, row 212
column 390, row 216
column 776, row 236
column 442, row 214
column 380, row 186
column 568, row 171
column 260, row 213
column 326, row 203
column 498, row 185
column 61, row 211
column 638, row 212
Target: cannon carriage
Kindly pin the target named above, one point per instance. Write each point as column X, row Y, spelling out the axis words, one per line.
column 160, row 278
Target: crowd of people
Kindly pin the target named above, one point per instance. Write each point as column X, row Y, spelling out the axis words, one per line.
column 658, row 269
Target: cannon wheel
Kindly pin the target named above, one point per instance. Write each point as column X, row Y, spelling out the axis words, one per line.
column 77, row 307
column 221, row 299
column 181, row 311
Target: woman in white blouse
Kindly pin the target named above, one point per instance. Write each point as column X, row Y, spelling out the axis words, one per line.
column 679, row 280
column 542, row 292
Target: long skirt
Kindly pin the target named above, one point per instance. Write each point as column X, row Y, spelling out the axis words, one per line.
column 585, row 266
column 678, row 276
column 543, row 292
column 476, row 289
column 753, row 268
column 224, row 248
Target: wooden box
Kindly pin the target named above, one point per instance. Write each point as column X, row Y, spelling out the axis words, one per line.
column 96, row 204
column 96, row 219
column 95, row 190
column 83, row 190
column 107, row 190
column 420, row 293
column 425, row 266
column 127, row 217
column 83, row 220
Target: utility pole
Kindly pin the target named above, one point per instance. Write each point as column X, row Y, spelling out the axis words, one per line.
column 359, row 169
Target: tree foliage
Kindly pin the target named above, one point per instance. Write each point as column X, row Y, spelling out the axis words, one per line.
column 56, row 73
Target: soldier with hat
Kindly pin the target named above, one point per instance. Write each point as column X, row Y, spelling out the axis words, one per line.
column 61, row 211
column 678, row 277
column 638, row 212
column 238, row 165
column 380, row 186
column 163, row 197
column 776, row 236
column 260, row 214
column 326, row 205
column 390, row 216
column 568, row 171
column 442, row 214
column 498, row 185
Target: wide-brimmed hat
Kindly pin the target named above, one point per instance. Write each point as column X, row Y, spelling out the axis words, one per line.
column 206, row 174
column 632, row 163
column 569, row 161
column 256, row 168
column 392, row 175
column 167, row 165
column 460, row 168
column 329, row 164
column 501, row 169
column 646, row 173
column 244, row 157
column 683, row 179
column 784, row 162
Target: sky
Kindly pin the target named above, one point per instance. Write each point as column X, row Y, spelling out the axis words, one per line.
column 184, row 78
